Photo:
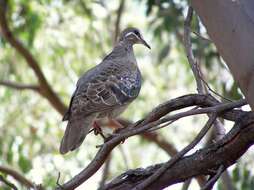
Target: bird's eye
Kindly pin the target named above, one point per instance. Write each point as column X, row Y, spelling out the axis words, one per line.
column 136, row 32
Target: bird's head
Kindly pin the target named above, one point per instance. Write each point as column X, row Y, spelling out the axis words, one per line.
column 133, row 36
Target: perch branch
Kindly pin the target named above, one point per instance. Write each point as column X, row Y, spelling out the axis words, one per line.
column 178, row 156
column 203, row 162
column 153, row 119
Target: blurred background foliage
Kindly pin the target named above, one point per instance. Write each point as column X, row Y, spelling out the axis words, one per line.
column 67, row 37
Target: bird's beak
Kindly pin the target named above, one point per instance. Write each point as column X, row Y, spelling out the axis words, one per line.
column 142, row 41
column 145, row 43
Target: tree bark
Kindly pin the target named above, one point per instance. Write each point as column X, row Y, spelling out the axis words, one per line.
column 230, row 25
column 206, row 161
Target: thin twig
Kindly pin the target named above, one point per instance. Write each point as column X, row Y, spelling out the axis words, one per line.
column 20, row 86
column 224, row 152
column 105, row 172
column 17, row 176
column 124, row 156
column 209, row 185
column 211, row 90
column 5, row 181
column 161, row 126
column 201, row 37
column 201, row 84
column 118, row 20
column 173, row 160
column 189, row 53
column 57, row 181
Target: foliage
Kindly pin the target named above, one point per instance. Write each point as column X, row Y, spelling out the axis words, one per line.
column 69, row 37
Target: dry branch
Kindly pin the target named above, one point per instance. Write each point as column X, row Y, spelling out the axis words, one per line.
column 118, row 20
column 205, row 161
column 178, row 156
column 202, row 86
column 45, row 88
column 20, row 86
column 153, row 119
column 19, row 177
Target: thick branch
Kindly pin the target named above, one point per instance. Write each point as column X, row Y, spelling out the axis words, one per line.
column 45, row 88
column 223, row 153
column 162, row 143
column 178, row 156
column 232, row 32
column 153, row 119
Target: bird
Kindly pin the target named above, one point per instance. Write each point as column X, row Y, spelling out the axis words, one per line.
column 104, row 91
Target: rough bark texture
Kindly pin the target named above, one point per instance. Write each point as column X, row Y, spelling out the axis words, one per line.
column 223, row 153
column 230, row 25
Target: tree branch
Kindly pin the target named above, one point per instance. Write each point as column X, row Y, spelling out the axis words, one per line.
column 232, row 33
column 118, row 20
column 178, row 156
column 224, row 152
column 189, row 53
column 105, row 172
column 19, row 177
column 209, row 185
column 202, row 85
column 20, row 86
column 44, row 86
column 163, row 144
column 153, row 119
column 11, row 185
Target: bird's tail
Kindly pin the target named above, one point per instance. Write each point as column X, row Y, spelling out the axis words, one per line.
column 75, row 133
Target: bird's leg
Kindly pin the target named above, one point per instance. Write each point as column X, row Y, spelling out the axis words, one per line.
column 118, row 126
column 97, row 130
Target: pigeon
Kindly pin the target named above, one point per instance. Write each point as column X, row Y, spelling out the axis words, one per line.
column 104, row 91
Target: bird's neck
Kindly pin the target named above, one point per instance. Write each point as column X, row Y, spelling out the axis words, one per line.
column 128, row 46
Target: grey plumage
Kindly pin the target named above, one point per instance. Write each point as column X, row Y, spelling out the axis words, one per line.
column 103, row 91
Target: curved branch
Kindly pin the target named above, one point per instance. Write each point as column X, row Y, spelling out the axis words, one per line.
column 162, row 143
column 153, row 119
column 45, row 88
column 5, row 181
column 178, row 156
column 206, row 161
column 17, row 176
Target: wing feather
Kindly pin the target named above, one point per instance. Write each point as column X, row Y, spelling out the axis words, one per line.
column 105, row 90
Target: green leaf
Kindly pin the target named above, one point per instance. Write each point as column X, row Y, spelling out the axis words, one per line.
column 164, row 53
column 24, row 164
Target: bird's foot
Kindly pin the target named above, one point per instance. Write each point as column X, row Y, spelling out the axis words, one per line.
column 97, row 130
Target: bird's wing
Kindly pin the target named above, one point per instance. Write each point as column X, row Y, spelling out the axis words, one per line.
column 105, row 92
column 68, row 111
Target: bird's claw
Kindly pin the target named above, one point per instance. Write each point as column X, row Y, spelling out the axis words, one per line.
column 97, row 130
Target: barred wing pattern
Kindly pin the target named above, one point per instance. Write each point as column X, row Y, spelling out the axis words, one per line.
column 104, row 93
